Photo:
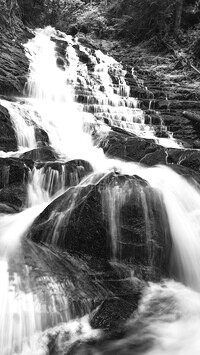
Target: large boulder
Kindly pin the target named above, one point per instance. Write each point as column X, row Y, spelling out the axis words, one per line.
column 113, row 217
column 123, row 146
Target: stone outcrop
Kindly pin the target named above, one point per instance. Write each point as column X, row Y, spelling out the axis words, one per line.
column 13, row 62
column 41, row 154
column 126, row 147
column 8, row 141
column 80, row 221
column 14, row 175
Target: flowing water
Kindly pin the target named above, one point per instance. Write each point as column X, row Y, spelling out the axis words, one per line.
column 69, row 102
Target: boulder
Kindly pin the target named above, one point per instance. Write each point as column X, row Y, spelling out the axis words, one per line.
column 41, row 154
column 41, row 136
column 188, row 158
column 157, row 157
column 12, row 171
column 14, row 175
column 59, row 175
column 115, row 217
column 8, row 141
column 13, row 198
column 123, row 146
column 13, row 61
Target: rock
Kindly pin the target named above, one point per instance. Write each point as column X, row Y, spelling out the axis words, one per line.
column 161, row 132
column 115, row 311
column 59, row 175
column 157, row 157
column 82, row 215
column 14, row 175
column 192, row 116
column 40, row 154
column 41, row 136
column 187, row 158
column 12, row 171
column 13, row 61
column 182, row 128
column 128, row 148
column 8, row 141
column 13, row 198
column 60, row 63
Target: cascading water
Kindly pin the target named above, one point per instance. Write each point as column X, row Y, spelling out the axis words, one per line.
column 63, row 103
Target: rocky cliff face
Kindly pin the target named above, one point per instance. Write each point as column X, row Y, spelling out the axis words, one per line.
column 13, row 62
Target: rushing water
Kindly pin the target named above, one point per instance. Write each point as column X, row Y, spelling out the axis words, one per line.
column 68, row 105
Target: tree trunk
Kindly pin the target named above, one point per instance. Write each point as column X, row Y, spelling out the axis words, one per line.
column 178, row 16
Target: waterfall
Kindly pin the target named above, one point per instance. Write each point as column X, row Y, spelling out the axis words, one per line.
column 71, row 102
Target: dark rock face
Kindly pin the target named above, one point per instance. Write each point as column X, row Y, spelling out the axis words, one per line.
column 41, row 136
column 13, row 198
column 8, row 141
column 12, row 171
column 40, row 154
column 13, row 62
column 14, row 67
column 128, row 148
column 80, row 222
column 13, row 184
column 187, row 158
column 57, row 175
column 115, row 311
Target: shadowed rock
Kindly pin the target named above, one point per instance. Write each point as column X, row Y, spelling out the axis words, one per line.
column 40, row 154
column 12, row 171
column 13, row 184
column 127, row 148
column 8, row 141
column 117, row 217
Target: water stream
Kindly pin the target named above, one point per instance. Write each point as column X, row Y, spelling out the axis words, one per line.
column 67, row 105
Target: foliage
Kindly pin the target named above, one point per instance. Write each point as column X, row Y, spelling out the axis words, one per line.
column 141, row 19
column 135, row 20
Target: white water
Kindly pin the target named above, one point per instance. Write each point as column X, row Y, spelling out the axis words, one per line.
column 53, row 100
column 51, row 106
column 171, row 317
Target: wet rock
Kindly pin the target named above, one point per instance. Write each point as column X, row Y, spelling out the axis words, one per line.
column 82, row 216
column 157, row 157
column 12, row 171
column 182, row 128
column 187, row 158
column 127, row 148
column 41, row 136
column 13, row 198
column 161, row 132
column 40, row 154
column 14, row 67
column 8, row 141
column 193, row 117
column 13, row 61
column 60, row 63
column 59, row 175
column 115, row 311
column 14, row 175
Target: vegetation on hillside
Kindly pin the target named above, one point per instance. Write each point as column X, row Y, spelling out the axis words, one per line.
column 135, row 19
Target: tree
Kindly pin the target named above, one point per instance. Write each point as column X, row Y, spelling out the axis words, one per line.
column 178, row 16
